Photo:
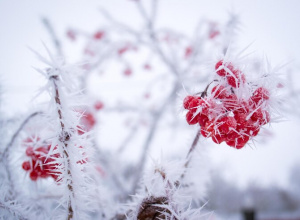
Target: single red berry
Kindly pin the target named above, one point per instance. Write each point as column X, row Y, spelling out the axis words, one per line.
column 235, row 78
column 147, row 66
column 127, row 72
column 188, row 52
column 191, row 119
column 252, row 130
column 99, row 35
column 233, row 134
column 218, row 139
column 26, row 166
column 219, row 69
column 226, row 124
column 123, row 50
column 260, row 94
column 98, row 105
column 213, row 34
column 219, row 91
column 187, row 100
column 194, row 105
column 209, row 128
column 33, row 175
column 204, row 133
column 29, row 151
column 262, row 116
column 239, row 142
column 202, row 120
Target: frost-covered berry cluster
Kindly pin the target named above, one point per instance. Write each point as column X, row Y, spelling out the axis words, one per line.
column 40, row 165
column 233, row 111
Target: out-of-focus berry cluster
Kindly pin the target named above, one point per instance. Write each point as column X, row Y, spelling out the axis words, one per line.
column 40, row 164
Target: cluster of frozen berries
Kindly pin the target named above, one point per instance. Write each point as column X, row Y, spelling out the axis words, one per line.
column 232, row 111
column 39, row 165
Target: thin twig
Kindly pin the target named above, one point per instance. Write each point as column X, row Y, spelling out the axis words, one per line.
column 15, row 135
column 64, row 139
column 54, row 37
column 5, row 154
column 157, row 116
column 189, row 154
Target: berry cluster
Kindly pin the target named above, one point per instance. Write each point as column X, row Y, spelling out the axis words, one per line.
column 233, row 111
column 39, row 165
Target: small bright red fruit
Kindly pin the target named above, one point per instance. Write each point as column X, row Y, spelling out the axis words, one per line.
column 263, row 117
column 239, row 142
column 236, row 79
column 191, row 119
column 194, row 104
column 226, row 124
column 29, row 151
column 219, row 91
column 202, row 120
column 260, row 94
column 220, row 71
column 187, row 100
column 218, row 139
column 204, row 133
column 33, row 175
column 26, row 165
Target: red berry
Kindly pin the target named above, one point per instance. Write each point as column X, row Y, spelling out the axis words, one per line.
column 147, row 66
column 99, row 35
column 127, row 72
column 218, row 139
column 262, row 116
column 194, row 105
column 98, row 105
column 29, row 151
column 235, row 78
column 219, row 69
column 123, row 50
column 260, row 94
column 213, row 34
column 26, row 165
column 239, row 142
column 202, row 120
column 204, row 133
column 226, row 124
column 188, row 52
column 191, row 119
column 187, row 100
column 33, row 175
column 219, row 91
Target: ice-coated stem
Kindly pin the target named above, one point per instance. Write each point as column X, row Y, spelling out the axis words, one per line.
column 64, row 138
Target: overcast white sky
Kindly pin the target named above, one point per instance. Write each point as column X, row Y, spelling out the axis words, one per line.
column 273, row 25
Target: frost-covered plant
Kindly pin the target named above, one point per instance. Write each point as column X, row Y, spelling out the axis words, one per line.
column 69, row 174
column 231, row 108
